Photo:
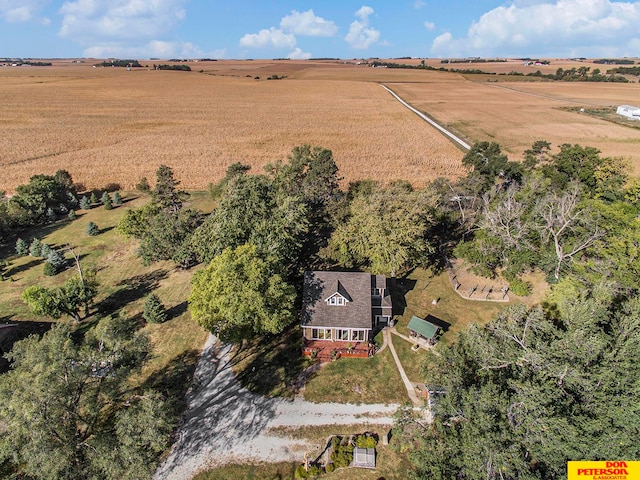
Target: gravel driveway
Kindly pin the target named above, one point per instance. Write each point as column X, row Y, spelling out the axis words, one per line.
column 225, row 423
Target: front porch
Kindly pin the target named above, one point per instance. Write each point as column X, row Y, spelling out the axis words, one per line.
column 328, row 350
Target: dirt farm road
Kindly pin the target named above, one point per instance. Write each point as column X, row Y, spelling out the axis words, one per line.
column 225, row 423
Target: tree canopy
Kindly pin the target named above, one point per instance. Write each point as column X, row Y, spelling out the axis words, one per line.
column 239, row 295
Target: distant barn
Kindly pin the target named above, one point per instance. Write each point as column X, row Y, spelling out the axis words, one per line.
column 629, row 111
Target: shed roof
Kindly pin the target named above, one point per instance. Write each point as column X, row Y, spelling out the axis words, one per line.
column 364, row 457
column 422, row 327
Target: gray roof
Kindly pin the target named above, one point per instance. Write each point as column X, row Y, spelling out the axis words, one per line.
column 364, row 457
column 354, row 286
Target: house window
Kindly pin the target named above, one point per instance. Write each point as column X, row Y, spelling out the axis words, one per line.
column 342, row 334
column 337, row 300
column 377, row 292
column 321, row 333
column 358, row 335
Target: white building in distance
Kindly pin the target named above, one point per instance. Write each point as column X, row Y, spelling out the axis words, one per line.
column 629, row 111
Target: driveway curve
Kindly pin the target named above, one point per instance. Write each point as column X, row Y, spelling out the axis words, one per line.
column 225, row 423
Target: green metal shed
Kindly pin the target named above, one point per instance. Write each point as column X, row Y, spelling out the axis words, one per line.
column 423, row 328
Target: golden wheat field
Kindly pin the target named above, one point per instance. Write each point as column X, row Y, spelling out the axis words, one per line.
column 108, row 125
column 515, row 114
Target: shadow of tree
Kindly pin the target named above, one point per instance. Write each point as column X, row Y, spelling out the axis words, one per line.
column 177, row 310
column 271, row 365
column 14, row 332
column 131, row 290
column 17, row 269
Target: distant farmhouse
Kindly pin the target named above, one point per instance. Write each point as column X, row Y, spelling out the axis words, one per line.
column 629, row 111
column 340, row 310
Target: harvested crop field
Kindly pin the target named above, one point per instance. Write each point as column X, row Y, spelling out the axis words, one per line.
column 515, row 114
column 107, row 125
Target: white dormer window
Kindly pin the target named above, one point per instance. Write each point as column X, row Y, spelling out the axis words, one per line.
column 337, row 299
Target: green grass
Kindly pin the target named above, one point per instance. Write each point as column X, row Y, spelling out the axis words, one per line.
column 412, row 361
column 123, row 285
column 358, row 380
column 391, row 464
column 418, row 291
column 270, row 365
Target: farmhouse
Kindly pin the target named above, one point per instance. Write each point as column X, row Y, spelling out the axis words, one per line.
column 629, row 111
column 340, row 310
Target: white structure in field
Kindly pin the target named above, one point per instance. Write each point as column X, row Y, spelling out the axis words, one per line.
column 629, row 111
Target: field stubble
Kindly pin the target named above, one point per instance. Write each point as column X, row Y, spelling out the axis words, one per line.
column 110, row 125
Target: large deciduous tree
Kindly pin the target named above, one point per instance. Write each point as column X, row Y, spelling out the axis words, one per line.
column 529, row 392
column 68, row 412
column 239, row 295
column 386, row 230
column 76, row 294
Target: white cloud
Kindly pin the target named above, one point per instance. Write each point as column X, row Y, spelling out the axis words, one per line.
column 274, row 37
column 307, row 23
column 361, row 35
column 429, row 25
column 298, row 54
column 418, row 4
column 550, row 28
column 121, row 22
column 154, row 48
column 16, row 11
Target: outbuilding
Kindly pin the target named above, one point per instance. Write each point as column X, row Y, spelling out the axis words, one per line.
column 421, row 329
column 629, row 111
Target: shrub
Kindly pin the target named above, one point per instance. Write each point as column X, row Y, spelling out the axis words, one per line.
column 51, row 215
column 154, row 311
column 85, row 203
column 71, row 215
column 143, row 185
column 366, row 441
column 301, row 472
column 92, row 229
column 106, row 201
column 49, row 269
column 117, row 199
column 22, row 248
column 35, row 248
column 329, row 468
column 520, row 287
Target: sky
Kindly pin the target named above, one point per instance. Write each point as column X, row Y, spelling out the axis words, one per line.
column 239, row 29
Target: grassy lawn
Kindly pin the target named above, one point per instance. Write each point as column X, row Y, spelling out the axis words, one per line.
column 270, row 365
column 392, row 465
column 421, row 287
column 123, row 285
column 358, row 380
column 412, row 361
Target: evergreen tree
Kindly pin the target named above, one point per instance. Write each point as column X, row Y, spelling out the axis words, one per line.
column 35, row 248
column 71, row 215
column 143, row 185
column 85, row 203
column 45, row 250
column 56, row 260
column 154, row 311
column 51, row 215
column 117, row 199
column 92, row 229
column 94, row 198
column 106, row 201
column 22, row 248
column 165, row 192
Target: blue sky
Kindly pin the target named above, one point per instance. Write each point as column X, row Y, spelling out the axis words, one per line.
column 311, row 29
